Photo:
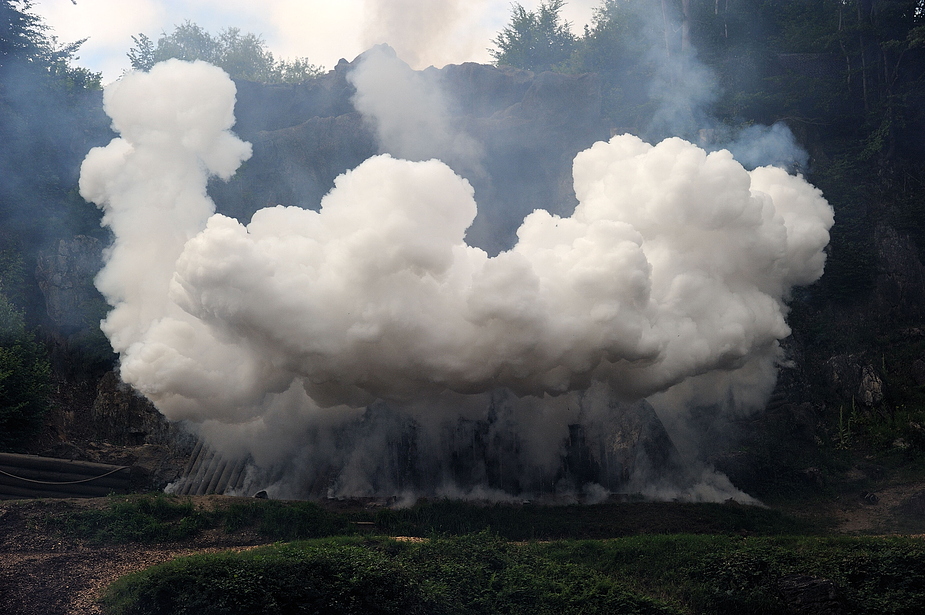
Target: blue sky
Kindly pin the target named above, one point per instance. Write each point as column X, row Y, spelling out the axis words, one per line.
column 425, row 32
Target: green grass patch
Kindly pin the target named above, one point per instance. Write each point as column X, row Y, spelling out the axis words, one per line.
column 155, row 518
column 609, row 520
column 732, row 575
column 286, row 520
column 152, row 518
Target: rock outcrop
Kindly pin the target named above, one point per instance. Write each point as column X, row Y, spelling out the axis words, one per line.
column 529, row 126
column 810, row 595
column 65, row 277
column 900, row 281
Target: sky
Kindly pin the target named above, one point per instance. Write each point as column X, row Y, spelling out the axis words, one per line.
column 424, row 32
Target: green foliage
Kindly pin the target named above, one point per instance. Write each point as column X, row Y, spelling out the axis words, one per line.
column 902, row 429
column 534, row 522
column 617, row 47
column 242, row 56
column 471, row 574
column 480, row 573
column 163, row 518
column 330, row 577
column 157, row 517
column 46, row 127
column 285, row 520
column 25, row 42
column 535, row 40
column 729, row 575
column 24, row 380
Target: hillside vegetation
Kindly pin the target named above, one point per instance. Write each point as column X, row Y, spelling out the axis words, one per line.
column 452, row 557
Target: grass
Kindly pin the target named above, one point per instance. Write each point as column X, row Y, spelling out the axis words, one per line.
column 482, row 573
column 725, row 574
column 147, row 519
column 162, row 518
column 153, row 518
column 609, row 520
column 629, row 557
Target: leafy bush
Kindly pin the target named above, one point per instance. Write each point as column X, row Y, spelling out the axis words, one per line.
column 723, row 575
column 480, row 573
column 473, row 574
column 484, row 573
column 330, row 577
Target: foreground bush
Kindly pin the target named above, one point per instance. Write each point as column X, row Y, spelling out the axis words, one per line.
column 731, row 575
column 476, row 574
column 320, row 578
column 472, row 574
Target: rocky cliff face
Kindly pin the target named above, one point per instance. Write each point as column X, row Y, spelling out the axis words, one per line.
column 65, row 276
column 529, row 125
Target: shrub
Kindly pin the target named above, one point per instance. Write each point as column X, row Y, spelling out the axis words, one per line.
column 329, row 577
column 468, row 575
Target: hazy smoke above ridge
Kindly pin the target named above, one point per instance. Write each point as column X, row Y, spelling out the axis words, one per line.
column 673, row 271
column 425, row 32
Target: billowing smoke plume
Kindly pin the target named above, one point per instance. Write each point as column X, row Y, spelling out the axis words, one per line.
column 409, row 112
column 277, row 336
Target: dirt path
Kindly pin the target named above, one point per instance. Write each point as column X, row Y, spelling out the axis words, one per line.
column 44, row 574
column 69, row 583
column 859, row 516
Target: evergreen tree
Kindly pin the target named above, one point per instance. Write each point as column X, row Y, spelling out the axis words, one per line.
column 49, row 119
column 536, row 40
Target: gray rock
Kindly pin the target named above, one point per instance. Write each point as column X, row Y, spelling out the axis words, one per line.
column 810, row 595
column 530, row 126
column 65, row 276
column 853, row 378
column 870, row 389
column 914, row 505
column 900, row 282
column 123, row 417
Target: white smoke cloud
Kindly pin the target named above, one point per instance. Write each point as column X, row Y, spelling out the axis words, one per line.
column 409, row 113
column 675, row 263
